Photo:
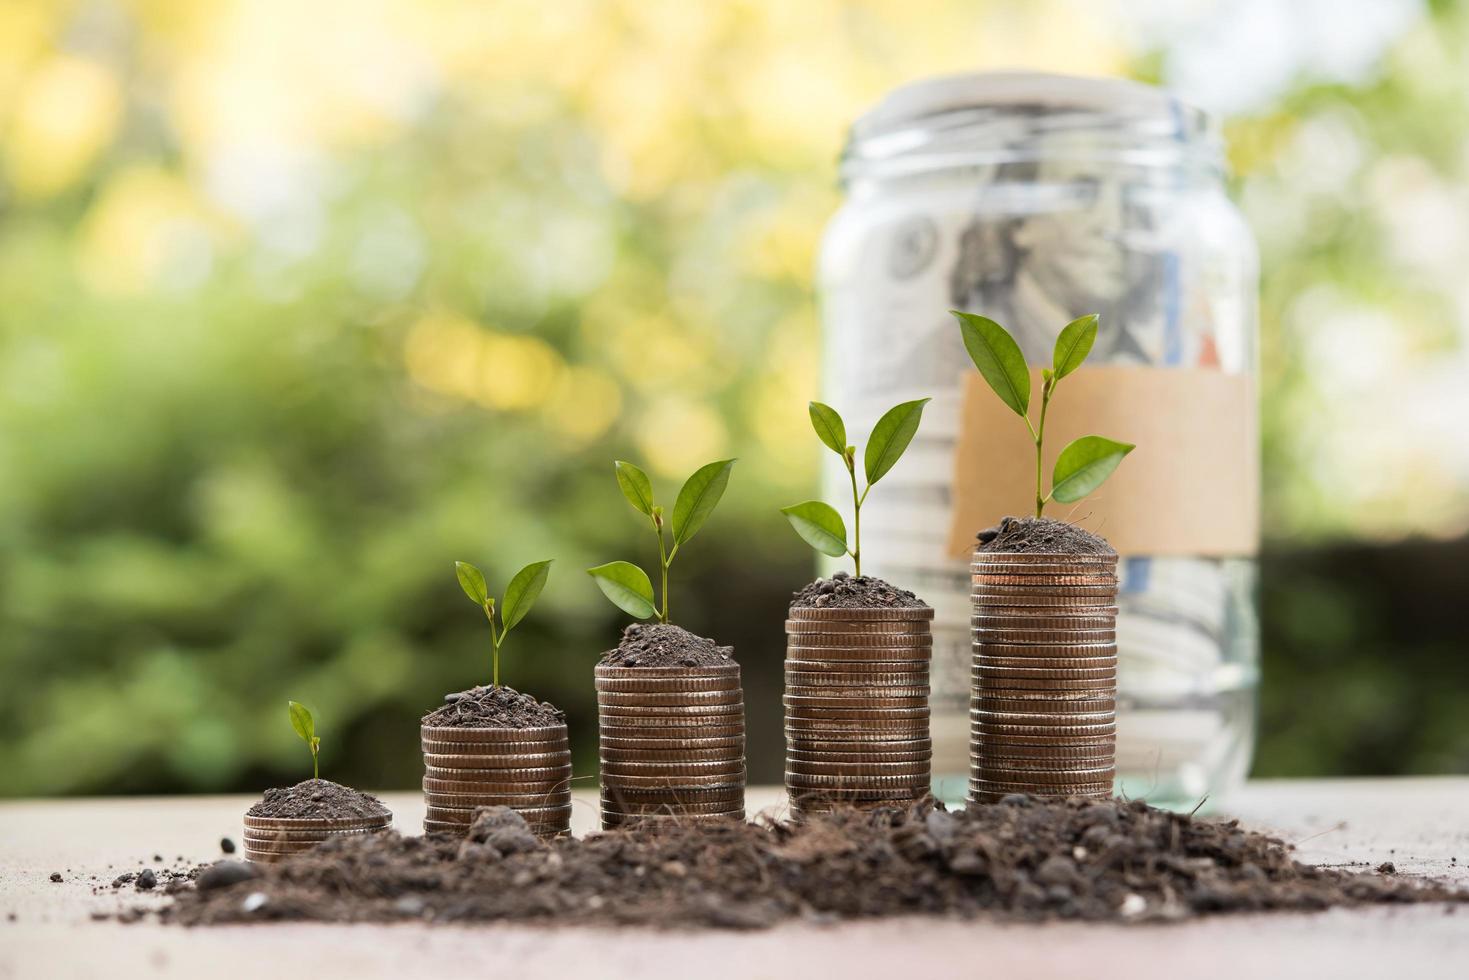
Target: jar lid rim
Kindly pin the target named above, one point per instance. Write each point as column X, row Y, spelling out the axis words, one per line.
column 940, row 94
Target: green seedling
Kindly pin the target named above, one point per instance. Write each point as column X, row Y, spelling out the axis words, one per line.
column 819, row 523
column 1085, row 463
column 305, row 726
column 627, row 585
column 520, row 595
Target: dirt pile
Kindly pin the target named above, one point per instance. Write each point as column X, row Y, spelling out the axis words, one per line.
column 665, row 645
column 842, row 591
column 1021, row 859
column 493, row 707
column 317, row 799
column 1041, row 535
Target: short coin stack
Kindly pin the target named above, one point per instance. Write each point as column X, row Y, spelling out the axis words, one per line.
column 672, row 743
column 271, row 839
column 1043, row 701
column 526, row 769
column 856, row 706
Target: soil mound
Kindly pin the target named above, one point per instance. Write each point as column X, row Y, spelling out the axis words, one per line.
column 842, row 591
column 665, row 645
column 1019, row 859
column 493, row 707
column 1041, row 535
column 317, row 798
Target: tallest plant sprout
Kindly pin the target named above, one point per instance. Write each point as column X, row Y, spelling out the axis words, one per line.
column 520, row 595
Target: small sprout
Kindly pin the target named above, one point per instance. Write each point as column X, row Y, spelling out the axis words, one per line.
column 818, row 523
column 305, row 727
column 1083, row 465
column 627, row 585
column 520, row 595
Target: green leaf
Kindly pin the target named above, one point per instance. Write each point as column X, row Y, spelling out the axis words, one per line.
column 627, row 586
column 890, row 437
column 698, row 497
column 830, row 428
column 1083, row 465
column 636, row 486
column 819, row 525
column 522, row 591
column 1074, row 344
column 302, row 722
column 998, row 358
column 472, row 581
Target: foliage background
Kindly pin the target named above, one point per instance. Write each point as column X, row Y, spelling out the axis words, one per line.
column 299, row 303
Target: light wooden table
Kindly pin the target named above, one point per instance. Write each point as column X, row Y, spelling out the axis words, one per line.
column 1422, row 825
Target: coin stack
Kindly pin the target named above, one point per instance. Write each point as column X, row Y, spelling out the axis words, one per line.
column 271, row 839
column 856, row 706
column 526, row 769
column 1043, row 702
column 672, row 743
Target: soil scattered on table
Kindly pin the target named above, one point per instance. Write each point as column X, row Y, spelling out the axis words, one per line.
column 317, row 798
column 1041, row 535
column 1021, row 859
column 665, row 645
column 843, row 591
column 493, row 707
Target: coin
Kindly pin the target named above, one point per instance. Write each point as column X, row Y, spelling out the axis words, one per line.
column 1048, row 789
column 984, row 728
column 859, row 769
column 988, row 701
column 436, row 784
column 891, row 641
column 985, row 662
column 1094, row 593
column 734, row 789
column 988, row 578
column 1056, row 713
column 846, row 678
column 855, row 667
column 643, row 767
column 619, row 782
column 895, row 696
column 802, row 713
column 857, row 729
column 672, row 726
column 862, row 615
column 674, row 754
column 682, row 699
column 994, row 761
column 604, row 672
column 1053, row 651
column 553, row 828
column 520, row 762
column 667, row 685
column 312, row 836
column 805, row 742
column 812, row 797
column 493, row 749
column 651, row 819
column 992, row 604
column 1044, row 673
column 1045, row 777
column 859, row 757
column 652, row 745
column 444, row 733
column 1094, row 618
column 1023, row 687
column 1047, row 637
column 885, row 703
column 627, row 808
column 721, row 711
column 916, row 627
column 555, row 798
column 528, row 774
column 314, row 823
column 906, row 656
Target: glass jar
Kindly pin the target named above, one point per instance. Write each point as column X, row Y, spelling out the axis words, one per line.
column 1035, row 199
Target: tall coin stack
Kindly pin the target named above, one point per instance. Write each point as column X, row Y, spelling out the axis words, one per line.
column 271, row 839
column 672, row 743
column 1043, row 701
column 856, row 706
column 526, row 769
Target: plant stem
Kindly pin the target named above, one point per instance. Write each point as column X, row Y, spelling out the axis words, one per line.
column 315, row 768
column 856, row 521
column 1040, row 437
column 495, row 639
column 663, row 561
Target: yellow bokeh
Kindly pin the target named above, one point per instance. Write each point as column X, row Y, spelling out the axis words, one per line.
column 452, row 355
column 66, row 112
column 677, row 435
column 584, row 405
column 146, row 227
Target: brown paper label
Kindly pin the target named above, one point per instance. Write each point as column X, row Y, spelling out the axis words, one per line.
column 1191, row 487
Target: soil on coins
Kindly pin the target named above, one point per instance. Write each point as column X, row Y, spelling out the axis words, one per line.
column 1041, row 535
column 842, row 591
column 1020, row 859
column 317, row 798
column 493, row 707
column 665, row 645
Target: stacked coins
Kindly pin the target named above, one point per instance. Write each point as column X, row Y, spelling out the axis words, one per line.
column 1043, row 698
column 271, row 839
column 526, row 769
column 856, row 707
column 672, row 743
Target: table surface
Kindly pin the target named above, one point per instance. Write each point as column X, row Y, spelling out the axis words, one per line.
column 1422, row 825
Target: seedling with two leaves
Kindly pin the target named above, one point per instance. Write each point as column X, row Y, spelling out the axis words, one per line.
column 520, row 595
column 1084, row 464
column 819, row 523
column 627, row 585
column 305, row 727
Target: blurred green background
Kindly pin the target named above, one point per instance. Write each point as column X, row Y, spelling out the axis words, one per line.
column 299, row 303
